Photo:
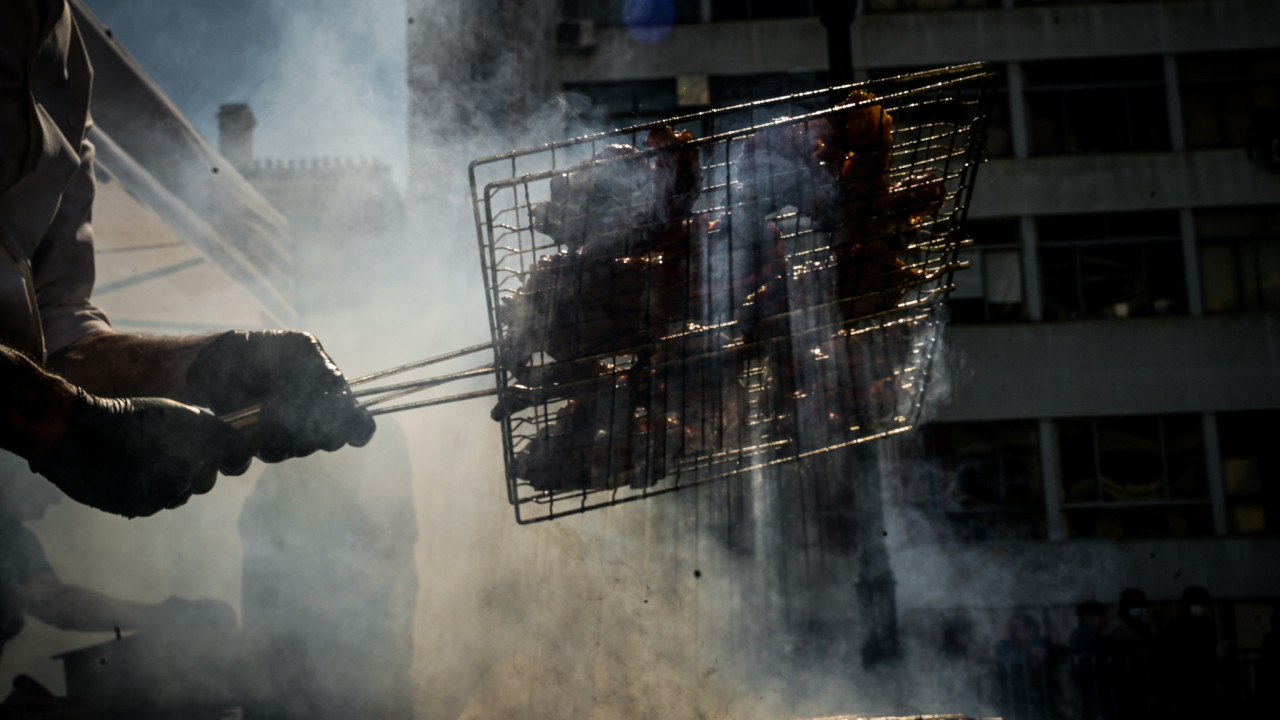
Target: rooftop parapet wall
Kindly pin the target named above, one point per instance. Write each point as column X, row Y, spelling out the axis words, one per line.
column 921, row 39
column 319, row 164
column 1128, row 366
column 1119, row 182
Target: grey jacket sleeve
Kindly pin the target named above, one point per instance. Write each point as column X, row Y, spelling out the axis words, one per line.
column 63, row 267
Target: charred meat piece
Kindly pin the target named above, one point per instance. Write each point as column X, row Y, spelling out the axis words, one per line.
column 605, row 200
column 677, row 174
column 916, row 198
column 556, row 458
column 870, row 278
column 623, row 276
column 829, row 168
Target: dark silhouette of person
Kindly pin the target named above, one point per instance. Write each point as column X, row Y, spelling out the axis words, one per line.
column 1025, row 662
column 1189, row 648
column 1269, row 670
column 1092, row 662
column 957, row 672
column 29, row 587
column 1131, row 640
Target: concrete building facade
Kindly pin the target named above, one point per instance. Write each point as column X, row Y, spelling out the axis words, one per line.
column 1113, row 352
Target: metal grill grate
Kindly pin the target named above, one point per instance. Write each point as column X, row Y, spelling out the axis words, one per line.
column 667, row 310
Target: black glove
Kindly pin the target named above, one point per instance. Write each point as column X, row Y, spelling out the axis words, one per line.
column 306, row 404
column 139, row 456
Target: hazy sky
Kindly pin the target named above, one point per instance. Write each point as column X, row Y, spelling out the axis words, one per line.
column 324, row 77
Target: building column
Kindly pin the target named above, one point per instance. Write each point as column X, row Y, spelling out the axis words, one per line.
column 1213, row 472
column 1173, row 101
column 1031, row 268
column 877, row 588
column 1020, row 138
column 1017, row 111
column 1191, row 261
column 1050, row 479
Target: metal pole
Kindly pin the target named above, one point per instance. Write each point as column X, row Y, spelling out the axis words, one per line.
column 837, row 18
column 876, row 586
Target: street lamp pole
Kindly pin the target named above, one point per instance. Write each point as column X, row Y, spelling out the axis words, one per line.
column 837, row 18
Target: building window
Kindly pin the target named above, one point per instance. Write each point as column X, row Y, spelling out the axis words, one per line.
column 1116, row 265
column 1250, row 470
column 1140, row 476
column 873, row 6
column 1098, row 105
column 729, row 90
column 999, row 133
column 615, row 12
column 991, row 288
column 981, row 481
column 762, row 9
column 1228, row 98
column 1239, row 259
column 631, row 102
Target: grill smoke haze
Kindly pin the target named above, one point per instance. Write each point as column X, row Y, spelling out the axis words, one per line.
column 635, row 611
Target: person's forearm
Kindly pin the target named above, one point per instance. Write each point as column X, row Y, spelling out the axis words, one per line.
column 37, row 406
column 125, row 365
column 69, row 607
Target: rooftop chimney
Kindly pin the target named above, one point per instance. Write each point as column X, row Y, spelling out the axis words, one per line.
column 235, row 134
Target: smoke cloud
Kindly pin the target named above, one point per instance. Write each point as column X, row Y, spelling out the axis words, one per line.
column 635, row 611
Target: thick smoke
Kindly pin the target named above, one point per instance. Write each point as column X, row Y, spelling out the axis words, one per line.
column 636, row 611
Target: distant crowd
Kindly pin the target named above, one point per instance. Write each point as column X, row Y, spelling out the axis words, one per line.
column 1124, row 667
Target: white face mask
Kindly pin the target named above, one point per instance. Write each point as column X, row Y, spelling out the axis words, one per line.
column 1196, row 610
column 1138, row 613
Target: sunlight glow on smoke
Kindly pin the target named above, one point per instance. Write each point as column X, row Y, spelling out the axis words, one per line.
column 649, row 21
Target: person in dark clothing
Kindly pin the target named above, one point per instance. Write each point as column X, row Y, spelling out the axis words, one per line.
column 1132, row 640
column 1092, row 662
column 1189, row 648
column 1269, row 669
column 122, row 422
column 1131, row 628
column 30, row 587
column 22, row 560
column 1024, row 669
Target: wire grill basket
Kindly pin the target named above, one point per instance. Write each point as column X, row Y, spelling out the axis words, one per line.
column 676, row 302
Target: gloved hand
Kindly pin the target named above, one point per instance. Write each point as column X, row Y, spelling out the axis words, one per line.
column 177, row 615
column 140, row 456
column 306, row 404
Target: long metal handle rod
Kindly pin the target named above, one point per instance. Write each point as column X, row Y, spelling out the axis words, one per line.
column 394, row 392
column 247, row 416
column 434, row 401
column 424, row 383
column 419, row 363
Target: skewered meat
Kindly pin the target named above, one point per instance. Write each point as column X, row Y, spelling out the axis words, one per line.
column 607, row 201
column 870, row 278
column 677, row 175
column 627, row 273
column 623, row 277
column 916, row 198
column 615, row 289
column 594, row 443
column 629, row 425
column 829, row 168
column 836, row 171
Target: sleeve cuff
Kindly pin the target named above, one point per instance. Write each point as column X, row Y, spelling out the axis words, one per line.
column 66, row 325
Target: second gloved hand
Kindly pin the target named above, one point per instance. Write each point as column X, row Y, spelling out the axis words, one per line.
column 306, row 404
column 142, row 455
